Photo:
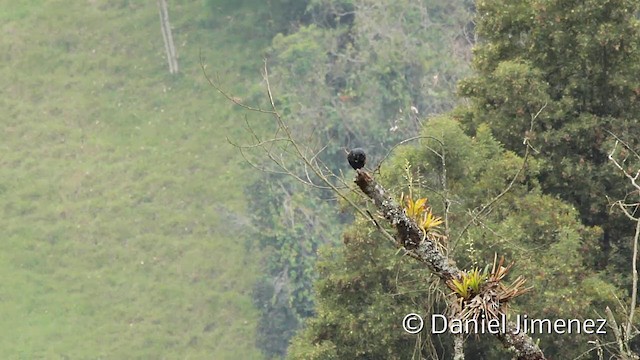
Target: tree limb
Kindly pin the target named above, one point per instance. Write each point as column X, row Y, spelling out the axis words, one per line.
column 410, row 236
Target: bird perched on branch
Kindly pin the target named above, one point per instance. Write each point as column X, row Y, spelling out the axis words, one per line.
column 357, row 158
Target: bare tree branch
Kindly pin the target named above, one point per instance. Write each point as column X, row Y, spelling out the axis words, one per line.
column 629, row 331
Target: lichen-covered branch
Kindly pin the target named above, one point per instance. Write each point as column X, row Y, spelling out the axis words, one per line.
column 409, row 234
column 410, row 237
column 521, row 343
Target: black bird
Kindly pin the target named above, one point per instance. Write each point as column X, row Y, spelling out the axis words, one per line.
column 357, row 158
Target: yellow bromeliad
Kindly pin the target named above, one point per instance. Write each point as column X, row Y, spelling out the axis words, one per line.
column 469, row 284
column 415, row 209
column 429, row 221
column 421, row 214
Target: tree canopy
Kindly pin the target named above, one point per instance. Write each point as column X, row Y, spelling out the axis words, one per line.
column 521, row 168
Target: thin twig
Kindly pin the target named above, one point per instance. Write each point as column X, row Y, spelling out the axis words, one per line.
column 226, row 94
column 377, row 168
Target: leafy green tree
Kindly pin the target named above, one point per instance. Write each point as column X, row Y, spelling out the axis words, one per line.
column 523, row 224
column 577, row 63
column 364, row 289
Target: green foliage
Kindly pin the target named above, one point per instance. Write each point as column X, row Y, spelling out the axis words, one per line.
column 262, row 18
column 510, row 96
column 525, row 225
column 332, row 13
column 577, row 65
column 300, row 52
column 278, row 322
column 364, row 290
column 292, row 224
column 367, row 75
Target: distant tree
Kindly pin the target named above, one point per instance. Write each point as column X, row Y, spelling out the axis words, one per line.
column 372, row 69
column 581, row 60
column 289, row 231
column 350, row 73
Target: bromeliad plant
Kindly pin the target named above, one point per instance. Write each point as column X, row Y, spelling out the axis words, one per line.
column 418, row 210
column 481, row 293
column 421, row 214
column 476, row 292
column 468, row 284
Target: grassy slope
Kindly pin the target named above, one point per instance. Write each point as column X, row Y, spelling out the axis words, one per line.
column 118, row 189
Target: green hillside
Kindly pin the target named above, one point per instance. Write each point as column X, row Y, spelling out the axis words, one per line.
column 121, row 199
